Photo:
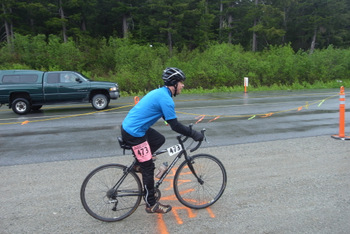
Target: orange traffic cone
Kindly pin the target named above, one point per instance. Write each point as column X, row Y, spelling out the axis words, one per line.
column 341, row 135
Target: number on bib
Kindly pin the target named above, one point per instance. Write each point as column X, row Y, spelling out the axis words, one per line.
column 142, row 152
column 174, row 149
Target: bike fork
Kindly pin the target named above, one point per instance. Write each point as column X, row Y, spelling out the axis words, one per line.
column 190, row 165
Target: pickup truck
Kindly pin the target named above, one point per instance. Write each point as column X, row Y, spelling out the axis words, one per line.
column 26, row 90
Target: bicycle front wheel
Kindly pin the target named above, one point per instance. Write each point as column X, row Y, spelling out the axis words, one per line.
column 106, row 203
column 205, row 189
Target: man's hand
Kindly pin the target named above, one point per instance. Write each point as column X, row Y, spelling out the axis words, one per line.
column 197, row 136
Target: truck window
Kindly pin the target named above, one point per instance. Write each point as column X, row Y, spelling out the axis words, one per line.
column 53, row 78
column 15, row 79
column 68, row 77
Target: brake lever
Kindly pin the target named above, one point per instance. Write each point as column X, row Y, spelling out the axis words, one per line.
column 205, row 136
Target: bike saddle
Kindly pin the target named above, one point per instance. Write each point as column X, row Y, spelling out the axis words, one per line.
column 123, row 145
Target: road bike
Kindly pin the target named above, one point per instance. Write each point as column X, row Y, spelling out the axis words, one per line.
column 113, row 192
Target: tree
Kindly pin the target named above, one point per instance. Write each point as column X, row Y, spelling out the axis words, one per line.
column 255, row 44
column 227, row 17
column 63, row 20
column 254, row 24
column 125, row 9
column 312, row 23
column 269, row 26
column 6, row 17
column 167, row 16
column 196, row 28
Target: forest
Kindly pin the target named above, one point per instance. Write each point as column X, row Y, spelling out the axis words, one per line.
column 215, row 42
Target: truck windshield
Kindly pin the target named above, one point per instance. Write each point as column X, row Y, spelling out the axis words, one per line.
column 82, row 76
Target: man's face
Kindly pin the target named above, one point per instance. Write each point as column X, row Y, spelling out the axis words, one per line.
column 180, row 86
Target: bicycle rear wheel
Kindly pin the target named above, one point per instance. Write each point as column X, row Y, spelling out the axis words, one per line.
column 205, row 191
column 103, row 202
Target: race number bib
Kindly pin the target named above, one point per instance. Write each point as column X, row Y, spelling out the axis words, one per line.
column 142, row 152
column 174, row 149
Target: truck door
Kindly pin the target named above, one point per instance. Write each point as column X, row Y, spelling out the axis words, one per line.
column 72, row 88
column 51, row 83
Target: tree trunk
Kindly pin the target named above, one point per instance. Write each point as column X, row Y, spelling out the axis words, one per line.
column 254, row 45
column 229, row 21
column 64, row 29
column 313, row 42
column 170, row 43
column 7, row 26
column 11, row 27
column 83, row 25
column 221, row 21
column 284, row 24
column 125, row 26
column 221, row 17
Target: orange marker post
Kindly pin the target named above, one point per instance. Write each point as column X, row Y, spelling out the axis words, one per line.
column 341, row 135
column 245, row 84
column 136, row 99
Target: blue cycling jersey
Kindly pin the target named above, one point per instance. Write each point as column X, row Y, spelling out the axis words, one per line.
column 156, row 104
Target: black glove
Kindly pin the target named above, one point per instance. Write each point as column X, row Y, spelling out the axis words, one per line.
column 197, row 136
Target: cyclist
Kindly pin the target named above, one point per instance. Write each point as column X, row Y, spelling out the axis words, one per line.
column 136, row 130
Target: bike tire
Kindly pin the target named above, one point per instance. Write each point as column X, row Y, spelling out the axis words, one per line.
column 193, row 194
column 96, row 198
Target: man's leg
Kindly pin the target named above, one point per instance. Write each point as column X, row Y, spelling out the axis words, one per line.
column 155, row 139
column 147, row 169
column 152, row 206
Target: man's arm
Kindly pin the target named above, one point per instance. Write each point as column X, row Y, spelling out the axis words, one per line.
column 184, row 130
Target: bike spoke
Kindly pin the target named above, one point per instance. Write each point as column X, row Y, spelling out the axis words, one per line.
column 102, row 201
column 205, row 190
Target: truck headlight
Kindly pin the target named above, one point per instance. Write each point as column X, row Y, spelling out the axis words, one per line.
column 113, row 89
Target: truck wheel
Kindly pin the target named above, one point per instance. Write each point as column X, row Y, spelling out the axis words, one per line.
column 21, row 106
column 100, row 101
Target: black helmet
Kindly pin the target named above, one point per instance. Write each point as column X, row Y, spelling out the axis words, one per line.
column 172, row 75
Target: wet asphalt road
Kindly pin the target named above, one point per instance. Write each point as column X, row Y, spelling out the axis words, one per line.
column 299, row 185
column 285, row 173
column 77, row 131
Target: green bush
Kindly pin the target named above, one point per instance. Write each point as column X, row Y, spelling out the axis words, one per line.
column 138, row 68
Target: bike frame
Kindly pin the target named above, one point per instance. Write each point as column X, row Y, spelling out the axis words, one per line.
column 121, row 180
column 178, row 156
column 160, row 181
